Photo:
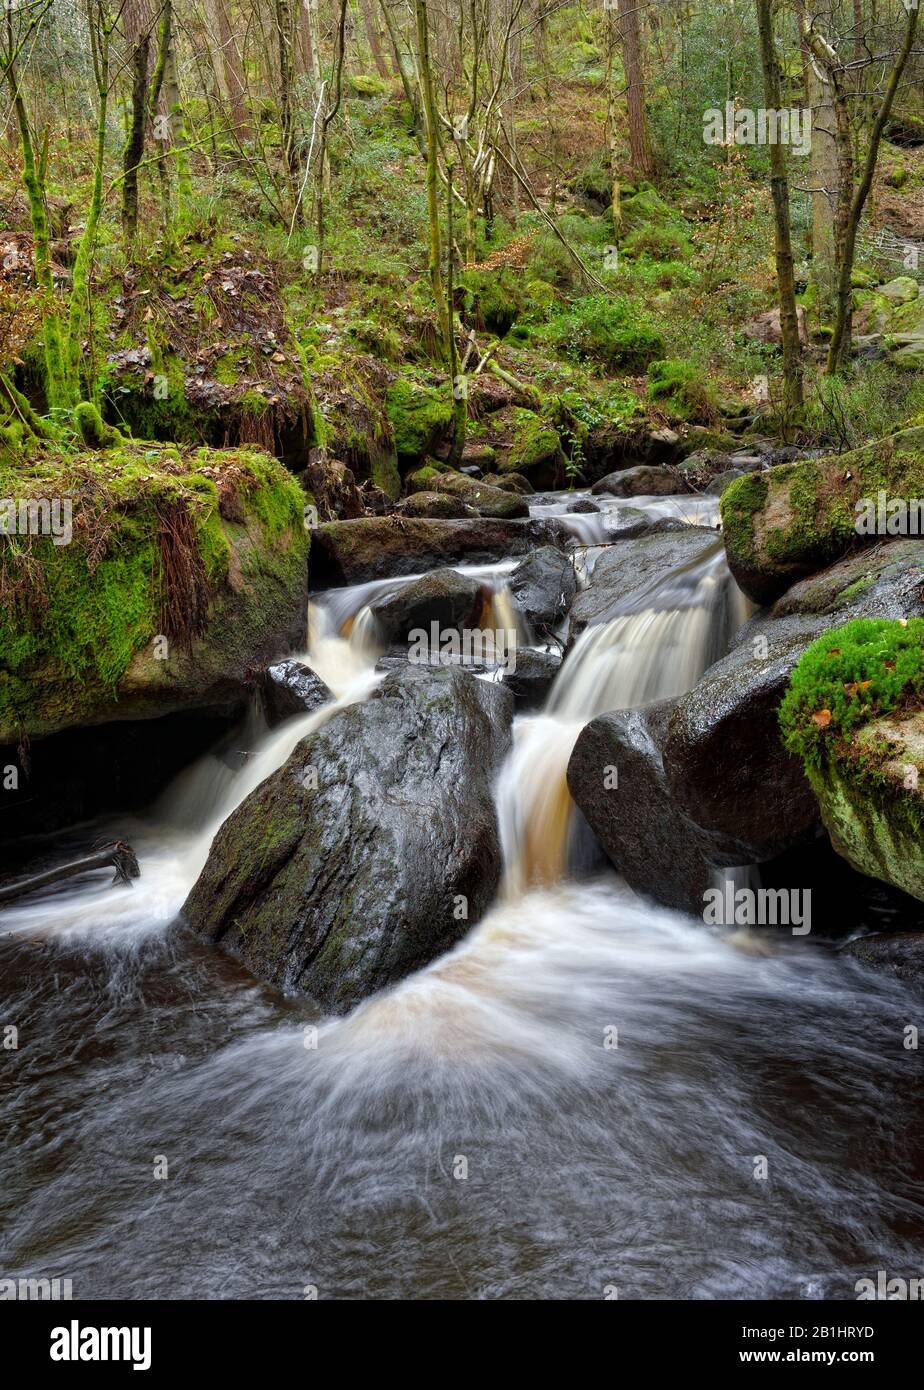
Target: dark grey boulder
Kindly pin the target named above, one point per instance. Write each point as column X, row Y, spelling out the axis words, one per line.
column 645, row 480
column 290, row 688
column 443, row 596
column 486, row 500
column 583, row 505
column 543, row 586
column 637, row 821
column 885, row 582
column 726, row 764
column 531, row 679
column 372, row 850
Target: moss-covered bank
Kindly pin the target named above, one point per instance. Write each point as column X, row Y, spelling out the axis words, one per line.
column 142, row 579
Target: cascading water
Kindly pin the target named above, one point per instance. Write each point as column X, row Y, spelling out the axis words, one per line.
column 332, row 1159
column 653, row 647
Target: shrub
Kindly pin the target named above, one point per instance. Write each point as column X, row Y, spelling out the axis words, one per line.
column 607, row 329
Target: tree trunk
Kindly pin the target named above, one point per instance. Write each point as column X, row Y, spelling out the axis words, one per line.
column 639, row 139
column 134, row 143
column 839, row 346
column 432, row 180
column 779, row 190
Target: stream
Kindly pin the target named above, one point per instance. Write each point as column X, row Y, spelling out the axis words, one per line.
column 571, row 1101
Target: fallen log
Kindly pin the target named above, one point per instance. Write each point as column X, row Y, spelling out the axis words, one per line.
column 119, row 855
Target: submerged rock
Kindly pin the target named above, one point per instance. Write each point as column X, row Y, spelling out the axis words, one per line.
column 352, row 552
column 543, row 586
column 900, row 953
column 790, row 521
column 291, row 687
column 373, row 850
column 617, row 779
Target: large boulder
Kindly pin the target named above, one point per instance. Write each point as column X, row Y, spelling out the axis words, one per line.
column 180, row 575
column 443, row 596
column 352, row 552
column 884, row 582
column 644, row 480
column 617, row 779
column 727, row 768
column 486, row 500
column 372, row 850
column 628, row 567
column 543, row 586
column 789, row 522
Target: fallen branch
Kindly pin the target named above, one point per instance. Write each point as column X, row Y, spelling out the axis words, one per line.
column 119, row 855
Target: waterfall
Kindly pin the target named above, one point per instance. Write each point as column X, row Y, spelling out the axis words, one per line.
column 655, row 646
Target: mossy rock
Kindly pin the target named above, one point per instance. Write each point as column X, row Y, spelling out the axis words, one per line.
column 366, row 84
column 534, row 449
column 793, row 520
column 684, row 390
column 420, row 417
column 181, row 572
column 853, row 713
column 424, row 479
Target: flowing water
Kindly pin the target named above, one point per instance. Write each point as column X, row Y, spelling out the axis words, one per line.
column 573, row 1099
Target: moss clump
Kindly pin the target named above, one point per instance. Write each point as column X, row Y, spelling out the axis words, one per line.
column 850, row 675
column 419, row 416
column 93, row 431
column 608, row 329
column 535, row 442
column 146, row 543
column 684, row 389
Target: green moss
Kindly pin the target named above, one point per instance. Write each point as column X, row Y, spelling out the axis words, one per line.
column 850, row 675
column 739, row 504
column 78, row 612
column 684, row 389
column 535, row 441
column 419, row 416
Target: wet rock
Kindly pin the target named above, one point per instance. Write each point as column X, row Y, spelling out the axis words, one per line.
column 443, row 596
column 726, row 764
column 718, row 484
column 617, row 779
column 583, row 505
column 434, row 504
column 351, row 552
column 628, row 567
column 791, row 521
column 543, row 586
column 662, row 446
column 372, row 851
column 900, row 953
column 291, row 687
column 645, row 480
column 885, row 582
column 531, row 679
column 486, row 500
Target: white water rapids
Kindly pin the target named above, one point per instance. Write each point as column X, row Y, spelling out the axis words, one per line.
column 332, row 1158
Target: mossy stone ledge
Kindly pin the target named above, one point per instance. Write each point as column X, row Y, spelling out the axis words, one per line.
column 173, row 577
column 789, row 522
